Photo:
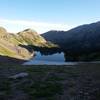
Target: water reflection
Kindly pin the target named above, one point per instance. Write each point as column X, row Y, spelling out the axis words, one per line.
column 58, row 57
column 54, row 59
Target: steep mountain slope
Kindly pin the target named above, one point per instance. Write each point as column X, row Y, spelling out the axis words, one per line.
column 82, row 42
column 31, row 37
column 9, row 46
column 81, row 38
column 12, row 45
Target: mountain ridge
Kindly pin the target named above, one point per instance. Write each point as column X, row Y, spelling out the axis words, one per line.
column 10, row 43
column 81, row 40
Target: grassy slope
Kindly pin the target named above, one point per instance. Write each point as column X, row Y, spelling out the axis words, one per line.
column 30, row 37
column 11, row 49
column 80, row 82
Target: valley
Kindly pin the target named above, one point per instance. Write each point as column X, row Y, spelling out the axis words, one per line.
column 32, row 67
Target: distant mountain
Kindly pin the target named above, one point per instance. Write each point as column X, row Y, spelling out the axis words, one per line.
column 11, row 44
column 84, row 39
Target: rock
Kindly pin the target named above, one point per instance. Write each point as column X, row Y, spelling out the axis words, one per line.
column 19, row 75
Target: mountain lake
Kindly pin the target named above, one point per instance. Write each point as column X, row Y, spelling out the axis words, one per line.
column 54, row 59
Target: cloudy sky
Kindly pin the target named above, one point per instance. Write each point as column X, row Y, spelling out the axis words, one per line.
column 45, row 15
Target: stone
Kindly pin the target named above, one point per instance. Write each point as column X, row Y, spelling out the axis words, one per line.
column 19, row 75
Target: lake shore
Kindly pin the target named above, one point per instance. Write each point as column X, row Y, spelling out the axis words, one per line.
column 46, row 82
column 41, row 62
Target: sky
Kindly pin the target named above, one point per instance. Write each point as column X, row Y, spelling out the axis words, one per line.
column 45, row 15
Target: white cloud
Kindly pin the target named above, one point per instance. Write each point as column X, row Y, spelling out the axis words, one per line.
column 40, row 27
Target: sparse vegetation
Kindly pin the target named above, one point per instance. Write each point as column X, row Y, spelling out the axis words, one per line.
column 50, row 82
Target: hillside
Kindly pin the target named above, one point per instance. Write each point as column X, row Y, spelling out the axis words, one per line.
column 30, row 37
column 12, row 45
column 84, row 39
column 79, row 37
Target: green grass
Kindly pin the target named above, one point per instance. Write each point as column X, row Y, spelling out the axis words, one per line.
column 6, row 51
column 43, row 89
column 50, row 82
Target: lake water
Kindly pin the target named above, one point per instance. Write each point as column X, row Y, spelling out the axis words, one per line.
column 54, row 59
